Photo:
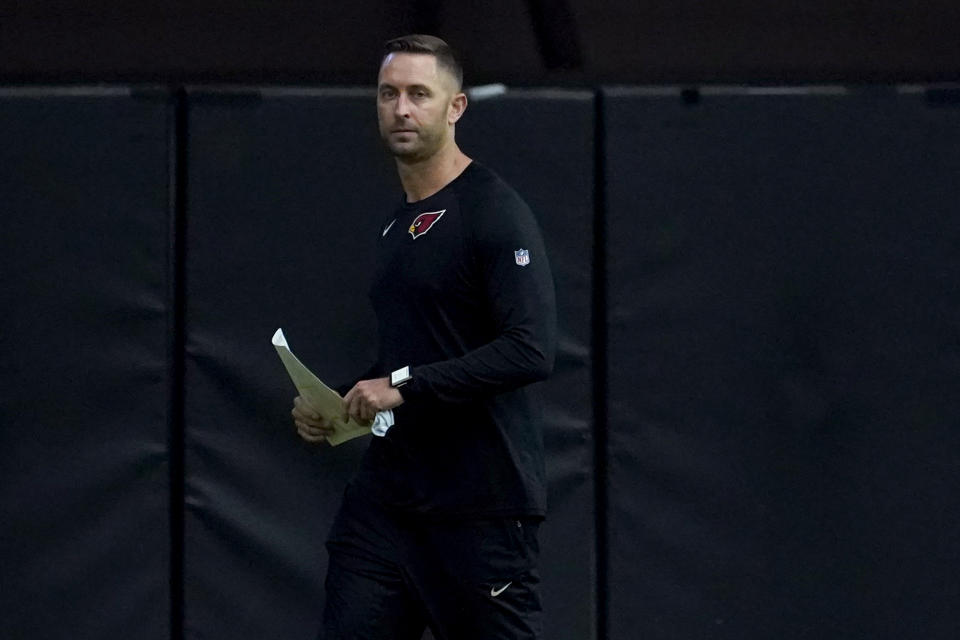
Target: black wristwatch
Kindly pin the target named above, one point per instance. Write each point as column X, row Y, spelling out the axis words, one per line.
column 400, row 377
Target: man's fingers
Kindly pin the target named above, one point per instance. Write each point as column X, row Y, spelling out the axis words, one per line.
column 312, row 435
column 311, row 426
column 353, row 409
column 369, row 412
column 347, row 399
column 304, row 409
column 364, row 401
column 314, row 430
column 359, row 407
column 304, row 413
column 312, row 439
column 354, row 403
column 319, row 422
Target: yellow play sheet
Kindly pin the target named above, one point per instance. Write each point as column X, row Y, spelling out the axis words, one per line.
column 322, row 398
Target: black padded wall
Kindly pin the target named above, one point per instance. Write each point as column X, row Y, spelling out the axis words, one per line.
column 781, row 357
column 516, row 134
column 783, row 361
column 286, row 192
column 85, row 392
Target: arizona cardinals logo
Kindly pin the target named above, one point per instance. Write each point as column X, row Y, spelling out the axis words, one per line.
column 423, row 223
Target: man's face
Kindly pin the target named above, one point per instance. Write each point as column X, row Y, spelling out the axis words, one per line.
column 413, row 105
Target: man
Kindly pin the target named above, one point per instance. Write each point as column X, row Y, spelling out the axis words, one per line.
column 439, row 525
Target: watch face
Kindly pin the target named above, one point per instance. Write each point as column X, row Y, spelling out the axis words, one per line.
column 400, row 376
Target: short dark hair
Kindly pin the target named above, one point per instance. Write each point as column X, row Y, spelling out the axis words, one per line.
column 431, row 45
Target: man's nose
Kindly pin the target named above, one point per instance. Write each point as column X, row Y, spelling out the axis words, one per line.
column 402, row 105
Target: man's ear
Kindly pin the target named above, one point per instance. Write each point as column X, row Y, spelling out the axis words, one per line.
column 457, row 106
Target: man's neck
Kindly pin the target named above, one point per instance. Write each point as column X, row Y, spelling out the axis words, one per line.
column 424, row 178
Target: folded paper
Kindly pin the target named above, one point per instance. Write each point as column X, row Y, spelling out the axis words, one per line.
column 319, row 396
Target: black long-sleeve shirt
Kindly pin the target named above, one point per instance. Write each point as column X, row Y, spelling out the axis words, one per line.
column 463, row 294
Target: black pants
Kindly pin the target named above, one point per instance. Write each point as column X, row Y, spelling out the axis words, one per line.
column 391, row 575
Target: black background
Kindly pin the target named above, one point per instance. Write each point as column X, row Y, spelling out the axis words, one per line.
column 533, row 43
column 752, row 428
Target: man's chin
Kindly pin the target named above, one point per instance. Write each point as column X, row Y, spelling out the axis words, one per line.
column 410, row 150
column 405, row 152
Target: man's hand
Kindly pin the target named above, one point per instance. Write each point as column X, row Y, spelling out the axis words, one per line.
column 370, row 396
column 311, row 426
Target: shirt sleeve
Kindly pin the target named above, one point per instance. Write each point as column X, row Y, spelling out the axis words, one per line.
column 511, row 263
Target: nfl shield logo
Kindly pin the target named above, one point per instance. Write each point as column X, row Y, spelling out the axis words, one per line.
column 522, row 256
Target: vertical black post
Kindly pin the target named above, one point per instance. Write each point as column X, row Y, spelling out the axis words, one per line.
column 177, row 288
column 600, row 360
